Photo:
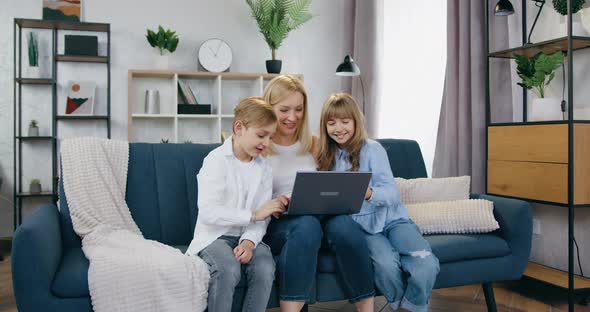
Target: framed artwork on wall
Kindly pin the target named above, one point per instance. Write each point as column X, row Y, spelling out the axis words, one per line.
column 61, row 10
column 80, row 99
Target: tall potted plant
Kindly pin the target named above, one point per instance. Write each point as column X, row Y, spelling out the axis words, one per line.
column 536, row 73
column 276, row 18
column 560, row 7
column 33, row 53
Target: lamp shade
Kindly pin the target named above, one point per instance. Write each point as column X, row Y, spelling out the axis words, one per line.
column 503, row 8
column 348, row 68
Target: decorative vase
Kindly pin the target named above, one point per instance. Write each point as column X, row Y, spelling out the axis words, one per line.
column 33, row 131
column 152, row 102
column 545, row 109
column 585, row 19
column 273, row 66
column 162, row 61
column 35, row 188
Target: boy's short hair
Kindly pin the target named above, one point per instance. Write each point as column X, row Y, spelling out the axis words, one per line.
column 254, row 111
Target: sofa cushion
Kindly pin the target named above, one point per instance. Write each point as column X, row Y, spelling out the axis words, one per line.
column 71, row 278
column 448, row 248
column 452, row 248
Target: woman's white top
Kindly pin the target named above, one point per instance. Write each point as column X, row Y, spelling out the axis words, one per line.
column 285, row 166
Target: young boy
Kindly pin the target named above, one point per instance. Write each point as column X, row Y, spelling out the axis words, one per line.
column 235, row 189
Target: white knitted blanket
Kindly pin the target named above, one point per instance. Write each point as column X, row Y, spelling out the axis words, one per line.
column 127, row 272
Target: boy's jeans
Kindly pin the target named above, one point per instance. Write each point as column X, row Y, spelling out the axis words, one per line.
column 226, row 272
column 405, row 267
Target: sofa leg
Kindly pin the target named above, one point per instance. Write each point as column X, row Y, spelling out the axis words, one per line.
column 305, row 308
column 488, row 292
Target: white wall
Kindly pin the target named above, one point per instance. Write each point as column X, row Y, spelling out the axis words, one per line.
column 314, row 50
column 414, row 62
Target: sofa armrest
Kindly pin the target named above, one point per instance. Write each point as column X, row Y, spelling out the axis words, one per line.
column 36, row 255
column 516, row 224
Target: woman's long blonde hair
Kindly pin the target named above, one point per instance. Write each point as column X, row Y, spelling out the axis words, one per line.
column 341, row 105
column 279, row 89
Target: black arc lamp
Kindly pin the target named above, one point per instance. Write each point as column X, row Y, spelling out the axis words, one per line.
column 348, row 68
column 504, row 8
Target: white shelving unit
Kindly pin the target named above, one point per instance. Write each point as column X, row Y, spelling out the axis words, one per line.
column 222, row 90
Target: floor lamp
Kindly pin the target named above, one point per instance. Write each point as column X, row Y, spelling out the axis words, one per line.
column 349, row 68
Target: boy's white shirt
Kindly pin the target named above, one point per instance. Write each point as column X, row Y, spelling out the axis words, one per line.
column 221, row 199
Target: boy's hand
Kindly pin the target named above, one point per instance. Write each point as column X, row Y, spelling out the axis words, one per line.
column 244, row 251
column 271, row 207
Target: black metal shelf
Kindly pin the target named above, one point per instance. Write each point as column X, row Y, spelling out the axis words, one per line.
column 83, row 59
column 547, row 47
column 82, row 117
column 35, row 81
column 42, row 194
column 55, row 26
column 62, row 25
column 34, row 138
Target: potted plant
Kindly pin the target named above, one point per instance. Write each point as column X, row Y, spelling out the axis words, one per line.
column 577, row 28
column 536, row 73
column 33, row 128
column 164, row 40
column 35, row 186
column 33, row 53
column 164, row 141
column 276, row 18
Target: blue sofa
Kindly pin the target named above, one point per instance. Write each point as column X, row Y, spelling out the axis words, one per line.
column 50, row 271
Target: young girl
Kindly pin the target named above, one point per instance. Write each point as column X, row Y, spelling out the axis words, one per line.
column 235, row 187
column 405, row 267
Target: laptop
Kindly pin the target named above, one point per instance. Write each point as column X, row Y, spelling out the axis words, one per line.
column 328, row 192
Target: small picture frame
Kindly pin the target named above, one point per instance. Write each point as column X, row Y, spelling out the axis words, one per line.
column 80, row 98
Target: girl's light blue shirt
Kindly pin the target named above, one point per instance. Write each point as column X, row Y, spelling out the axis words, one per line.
column 385, row 205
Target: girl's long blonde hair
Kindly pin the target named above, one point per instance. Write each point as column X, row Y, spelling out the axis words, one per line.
column 341, row 105
column 279, row 89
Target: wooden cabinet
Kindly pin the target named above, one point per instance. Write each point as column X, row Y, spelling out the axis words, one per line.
column 530, row 161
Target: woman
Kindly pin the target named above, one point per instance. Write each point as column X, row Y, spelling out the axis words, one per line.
column 297, row 239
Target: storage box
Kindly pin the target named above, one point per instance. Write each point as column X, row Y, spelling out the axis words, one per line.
column 204, row 109
column 81, row 45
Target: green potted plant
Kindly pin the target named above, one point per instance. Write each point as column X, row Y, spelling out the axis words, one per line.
column 35, row 186
column 536, row 73
column 33, row 128
column 560, row 7
column 276, row 18
column 164, row 141
column 163, row 40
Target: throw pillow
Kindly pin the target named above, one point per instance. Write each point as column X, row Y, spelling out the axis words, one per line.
column 454, row 217
column 422, row 190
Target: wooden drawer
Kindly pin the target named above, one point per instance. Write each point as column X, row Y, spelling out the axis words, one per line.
column 535, row 143
column 532, row 180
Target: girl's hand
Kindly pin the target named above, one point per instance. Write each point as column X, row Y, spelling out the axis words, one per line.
column 274, row 207
column 244, row 251
column 369, row 193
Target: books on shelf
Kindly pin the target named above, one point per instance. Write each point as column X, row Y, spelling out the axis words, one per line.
column 186, row 93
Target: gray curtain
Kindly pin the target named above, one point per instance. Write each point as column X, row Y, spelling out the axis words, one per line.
column 367, row 51
column 460, row 145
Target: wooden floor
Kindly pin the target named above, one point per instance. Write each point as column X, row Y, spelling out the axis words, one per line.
column 514, row 296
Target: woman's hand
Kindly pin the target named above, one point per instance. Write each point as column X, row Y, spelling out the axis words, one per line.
column 244, row 251
column 369, row 193
column 274, row 207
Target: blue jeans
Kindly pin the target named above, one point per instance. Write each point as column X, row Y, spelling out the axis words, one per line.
column 226, row 273
column 405, row 267
column 297, row 239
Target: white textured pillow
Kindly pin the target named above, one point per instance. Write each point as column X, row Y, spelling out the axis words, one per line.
column 433, row 189
column 454, row 217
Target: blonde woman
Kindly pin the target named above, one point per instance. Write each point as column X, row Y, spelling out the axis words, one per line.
column 297, row 239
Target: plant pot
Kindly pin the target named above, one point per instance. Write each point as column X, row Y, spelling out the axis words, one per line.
column 32, row 72
column 273, row 66
column 162, row 61
column 545, row 109
column 35, row 188
column 33, row 131
column 578, row 28
column 585, row 19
